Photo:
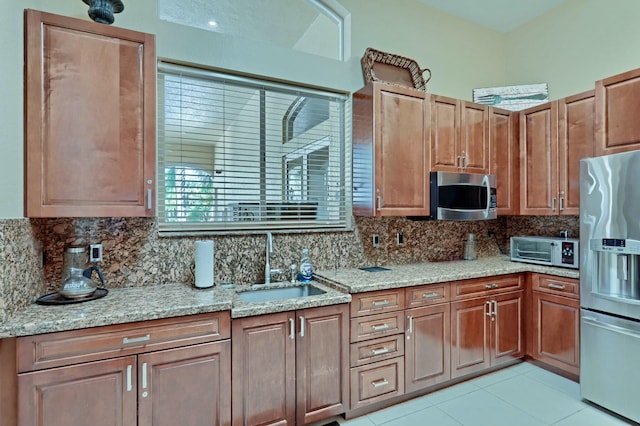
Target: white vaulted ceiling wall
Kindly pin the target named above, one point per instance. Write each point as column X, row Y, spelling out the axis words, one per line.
column 568, row 47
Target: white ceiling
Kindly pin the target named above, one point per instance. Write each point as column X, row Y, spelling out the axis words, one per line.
column 499, row 15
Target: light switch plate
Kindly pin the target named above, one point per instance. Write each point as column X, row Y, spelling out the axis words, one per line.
column 95, row 253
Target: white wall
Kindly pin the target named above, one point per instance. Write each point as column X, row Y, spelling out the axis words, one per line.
column 573, row 46
column 569, row 49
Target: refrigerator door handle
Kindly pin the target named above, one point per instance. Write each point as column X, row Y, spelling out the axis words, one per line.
column 611, row 327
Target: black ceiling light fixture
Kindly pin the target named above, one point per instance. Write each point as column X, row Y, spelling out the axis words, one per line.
column 102, row 10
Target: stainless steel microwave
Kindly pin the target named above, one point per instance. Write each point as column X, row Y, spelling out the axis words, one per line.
column 462, row 196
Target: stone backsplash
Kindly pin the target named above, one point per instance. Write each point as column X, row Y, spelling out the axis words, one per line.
column 134, row 254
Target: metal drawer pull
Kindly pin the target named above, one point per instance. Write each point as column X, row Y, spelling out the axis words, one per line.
column 384, row 326
column 430, row 295
column 129, row 384
column 410, row 318
column 301, row 326
column 381, row 382
column 556, row 286
column 495, row 310
column 380, row 303
column 489, row 313
column 149, row 199
column 384, row 350
column 491, row 286
column 140, row 339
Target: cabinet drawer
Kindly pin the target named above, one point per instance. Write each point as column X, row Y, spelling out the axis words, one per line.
column 376, row 350
column 427, row 295
column 484, row 286
column 376, row 382
column 377, row 301
column 71, row 347
column 556, row 285
column 379, row 325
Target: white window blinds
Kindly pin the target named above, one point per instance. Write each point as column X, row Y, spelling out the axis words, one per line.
column 236, row 153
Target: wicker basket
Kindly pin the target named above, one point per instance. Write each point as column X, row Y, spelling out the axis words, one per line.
column 395, row 69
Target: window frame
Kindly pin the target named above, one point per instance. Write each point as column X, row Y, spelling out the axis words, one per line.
column 344, row 223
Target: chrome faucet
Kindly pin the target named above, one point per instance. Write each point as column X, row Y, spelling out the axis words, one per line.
column 268, row 249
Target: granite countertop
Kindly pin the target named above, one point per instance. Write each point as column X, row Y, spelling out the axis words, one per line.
column 123, row 305
column 357, row 281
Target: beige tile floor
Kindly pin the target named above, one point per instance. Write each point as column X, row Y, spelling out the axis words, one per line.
column 520, row 395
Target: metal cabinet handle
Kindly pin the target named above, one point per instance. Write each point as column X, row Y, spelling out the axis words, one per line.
column 553, row 204
column 556, row 286
column 129, row 383
column 144, row 380
column 127, row 340
column 410, row 318
column 459, row 162
column 301, row 326
column 561, row 204
column 380, row 351
column 292, row 329
column 379, row 198
column 495, row 309
column 465, row 163
column 491, row 286
column 380, row 327
column 378, row 383
column 430, row 295
column 377, row 303
column 149, row 198
column 489, row 313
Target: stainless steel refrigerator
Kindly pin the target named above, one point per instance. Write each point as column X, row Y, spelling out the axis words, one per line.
column 610, row 282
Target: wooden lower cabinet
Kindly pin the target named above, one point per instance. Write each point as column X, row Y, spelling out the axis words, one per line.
column 186, row 386
column 290, row 368
column 100, row 393
column 554, row 328
column 427, row 347
column 485, row 332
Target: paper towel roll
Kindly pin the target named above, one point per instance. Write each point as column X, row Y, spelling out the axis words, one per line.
column 204, row 264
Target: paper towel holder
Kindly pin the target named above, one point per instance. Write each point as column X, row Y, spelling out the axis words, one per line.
column 204, row 264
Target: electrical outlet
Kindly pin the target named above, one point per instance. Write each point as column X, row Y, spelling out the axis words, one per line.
column 400, row 238
column 95, row 253
column 376, row 240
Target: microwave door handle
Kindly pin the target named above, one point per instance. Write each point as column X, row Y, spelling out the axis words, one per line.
column 485, row 182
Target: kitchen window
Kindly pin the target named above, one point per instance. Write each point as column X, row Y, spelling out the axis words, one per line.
column 242, row 154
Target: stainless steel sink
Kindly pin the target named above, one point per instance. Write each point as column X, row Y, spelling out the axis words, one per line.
column 266, row 294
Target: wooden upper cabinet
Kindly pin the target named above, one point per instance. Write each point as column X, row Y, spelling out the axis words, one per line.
column 459, row 136
column 505, row 155
column 90, row 119
column 538, row 159
column 390, row 151
column 575, row 142
column 617, row 106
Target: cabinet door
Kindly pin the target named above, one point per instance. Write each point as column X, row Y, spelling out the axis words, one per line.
column 505, row 159
column 556, row 331
column 445, row 127
column 617, row 127
column 263, row 372
column 101, row 393
column 186, row 386
column 575, row 142
column 470, row 333
column 474, row 137
column 427, row 347
column 538, row 160
column 90, row 119
column 401, row 152
column 322, row 363
column 507, row 338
